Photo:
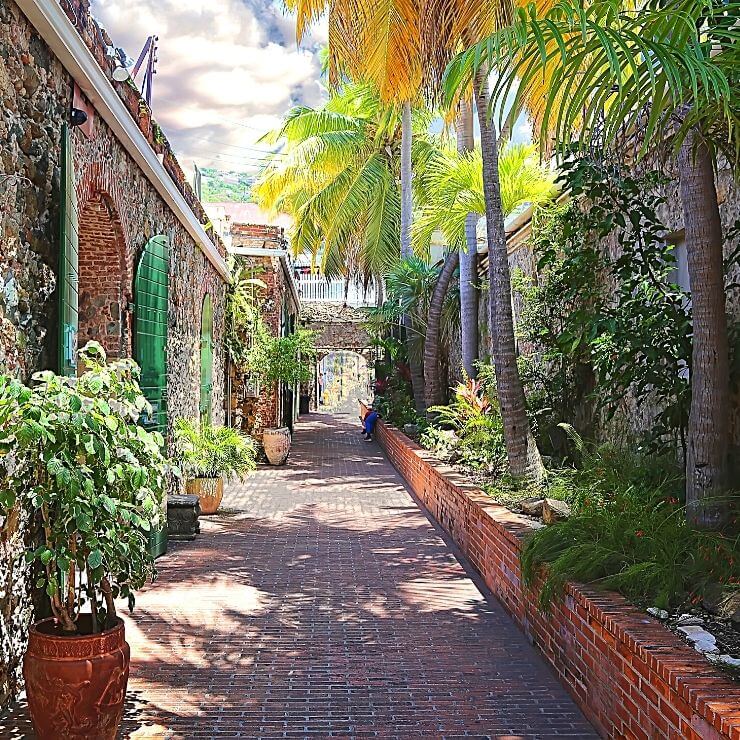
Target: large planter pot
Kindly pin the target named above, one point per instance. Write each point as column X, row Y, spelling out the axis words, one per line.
column 210, row 492
column 76, row 684
column 277, row 445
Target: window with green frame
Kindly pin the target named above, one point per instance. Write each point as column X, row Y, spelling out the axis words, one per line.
column 206, row 360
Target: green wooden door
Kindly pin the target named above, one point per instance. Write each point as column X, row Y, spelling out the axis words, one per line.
column 68, row 284
column 206, row 360
column 151, row 294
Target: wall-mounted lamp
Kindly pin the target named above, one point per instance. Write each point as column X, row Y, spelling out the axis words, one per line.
column 121, row 74
column 78, row 117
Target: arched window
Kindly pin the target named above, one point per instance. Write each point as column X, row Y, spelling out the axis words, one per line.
column 151, row 295
column 206, row 360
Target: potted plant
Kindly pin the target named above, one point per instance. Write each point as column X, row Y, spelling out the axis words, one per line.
column 281, row 360
column 74, row 456
column 208, row 454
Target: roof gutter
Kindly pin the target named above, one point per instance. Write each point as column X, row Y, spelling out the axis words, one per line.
column 69, row 48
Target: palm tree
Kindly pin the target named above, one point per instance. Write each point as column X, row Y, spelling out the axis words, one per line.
column 468, row 254
column 667, row 73
column 337, row 177
column 451, row 190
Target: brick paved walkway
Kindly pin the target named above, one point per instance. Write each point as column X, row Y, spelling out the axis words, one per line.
column 323, row 603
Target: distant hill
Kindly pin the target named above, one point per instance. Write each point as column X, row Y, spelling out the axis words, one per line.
column 221, row 186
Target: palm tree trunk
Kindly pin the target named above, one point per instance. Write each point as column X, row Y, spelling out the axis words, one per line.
column 707, row 464
column 524, row 457
column 432, row 368
column 407, row 203
column 407, row 206
column 469, row 257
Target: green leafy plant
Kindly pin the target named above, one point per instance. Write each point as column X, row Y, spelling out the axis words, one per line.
column 287, row 359
column 628, row 532
column 605, row 326
column 211, row 452
column 74, row 454
column 474, row 418
column 252, row 347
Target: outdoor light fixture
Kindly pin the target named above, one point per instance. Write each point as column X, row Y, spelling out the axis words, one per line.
column 121, row 74
column 78, row 117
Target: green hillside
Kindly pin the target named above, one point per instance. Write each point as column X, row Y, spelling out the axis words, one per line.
column 222, row 186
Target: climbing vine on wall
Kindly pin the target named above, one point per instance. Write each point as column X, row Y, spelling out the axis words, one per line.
column 609, row 321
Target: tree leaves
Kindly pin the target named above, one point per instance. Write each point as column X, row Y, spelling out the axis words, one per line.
column 83, row 466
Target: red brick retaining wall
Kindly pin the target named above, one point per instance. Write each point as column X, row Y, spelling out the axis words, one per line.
column 631, row 676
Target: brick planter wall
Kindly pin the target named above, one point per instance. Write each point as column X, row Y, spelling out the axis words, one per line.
column 631, row 676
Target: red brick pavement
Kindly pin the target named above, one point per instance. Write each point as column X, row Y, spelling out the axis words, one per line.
column 323, row 603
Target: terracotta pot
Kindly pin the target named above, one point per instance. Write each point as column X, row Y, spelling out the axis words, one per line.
column 210, row 492
column 76, row 684
column 277, row 445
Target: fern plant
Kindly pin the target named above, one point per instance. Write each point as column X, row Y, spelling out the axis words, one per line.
column 628, row 532
column 211, row 452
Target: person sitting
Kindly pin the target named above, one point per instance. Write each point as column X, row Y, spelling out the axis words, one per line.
column 368, row 424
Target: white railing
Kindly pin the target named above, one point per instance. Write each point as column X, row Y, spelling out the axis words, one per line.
column 315, row 289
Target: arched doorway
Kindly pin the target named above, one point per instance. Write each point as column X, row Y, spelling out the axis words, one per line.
column 104, row 280
column 342, row 376
column 94, row 274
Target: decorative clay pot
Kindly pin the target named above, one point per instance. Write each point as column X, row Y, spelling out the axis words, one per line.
column 210, row 492
column 277, row 445
column 76, row 684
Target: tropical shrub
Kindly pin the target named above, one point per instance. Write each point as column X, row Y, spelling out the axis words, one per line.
column 476, row 423
column 628, row 532
column 606, row 326
column 74, row 454
column 395, row 403
column 211, row 452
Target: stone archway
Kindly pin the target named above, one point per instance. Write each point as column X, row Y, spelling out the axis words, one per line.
column 105, row 279
column 342, row 375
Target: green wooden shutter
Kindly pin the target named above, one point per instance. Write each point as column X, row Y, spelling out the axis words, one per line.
column 151, row 295
column 206, row 360
column 68, row 284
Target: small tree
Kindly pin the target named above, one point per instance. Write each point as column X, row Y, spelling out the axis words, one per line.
column 74, row 455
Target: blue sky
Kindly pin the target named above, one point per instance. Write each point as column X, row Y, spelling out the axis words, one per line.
column 227, row 72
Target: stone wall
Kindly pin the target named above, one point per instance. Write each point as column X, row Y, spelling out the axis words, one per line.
column 35, row 95
column 631, row 676
column 253, row 414
column 631, row 418
column 120, row 211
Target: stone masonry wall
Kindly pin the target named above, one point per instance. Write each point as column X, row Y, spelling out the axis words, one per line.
column 122, row 207
column 632, row 418
column 254, row 414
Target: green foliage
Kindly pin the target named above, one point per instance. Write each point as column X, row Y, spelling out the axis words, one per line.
column 226, row 187
column 602, row 70
column 287, row 359
column 74, row 455
column 477, row 439
column 604, row 326
column 212, row 452
column 253, row 349
column 409, row 286
column 450, row 186
column 396, row 403
column 628, row 532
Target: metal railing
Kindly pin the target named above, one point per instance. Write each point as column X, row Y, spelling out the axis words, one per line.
column 315, row 289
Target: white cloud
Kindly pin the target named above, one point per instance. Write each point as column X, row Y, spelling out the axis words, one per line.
column 227, row 72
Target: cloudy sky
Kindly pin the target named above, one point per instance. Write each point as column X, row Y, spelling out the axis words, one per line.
column 227, row 72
